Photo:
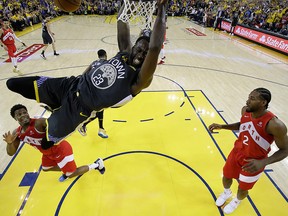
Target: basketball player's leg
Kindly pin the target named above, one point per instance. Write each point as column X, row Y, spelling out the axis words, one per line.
column 68, row 166
column 43, row 51
column 49, row 164
column 45, row 47
column 101, row 132
column 231, row 170
column 54, row 49
column 12, row 51
column 23, row 86
column 46, row 41
column 246, row 183
column 36, row 88
column 67, row 118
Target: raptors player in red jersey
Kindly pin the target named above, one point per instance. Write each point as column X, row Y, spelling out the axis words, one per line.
column 258, row 129
column 8, row 38
column 58, row 158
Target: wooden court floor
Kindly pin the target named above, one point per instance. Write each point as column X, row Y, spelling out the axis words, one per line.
column 160, row 158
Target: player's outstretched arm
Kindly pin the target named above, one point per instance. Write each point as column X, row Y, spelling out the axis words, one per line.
column 157, row 38
column 12, row 142
column 123, row 34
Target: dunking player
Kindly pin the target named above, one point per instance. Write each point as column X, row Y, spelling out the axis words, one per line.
column 110, row 84
column 8, row 38
column 48, row 38
column 57, row 158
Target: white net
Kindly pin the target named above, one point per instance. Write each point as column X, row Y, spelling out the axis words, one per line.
column 139, row 11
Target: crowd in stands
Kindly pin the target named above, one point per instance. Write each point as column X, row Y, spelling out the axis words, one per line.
column 100, row 7
column 270, row 15
column 27, row 12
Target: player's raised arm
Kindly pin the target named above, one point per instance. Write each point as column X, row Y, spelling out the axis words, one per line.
column 157, row 38
column 123, row 34
column 12, row 142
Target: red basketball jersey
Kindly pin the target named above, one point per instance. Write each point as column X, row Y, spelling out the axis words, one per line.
column 33, row 137
column 253, row 140
column 7, row 37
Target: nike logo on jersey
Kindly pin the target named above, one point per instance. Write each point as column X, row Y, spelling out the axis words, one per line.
column 82, row 114
column 260, row 124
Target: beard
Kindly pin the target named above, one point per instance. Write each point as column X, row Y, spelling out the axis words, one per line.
column 250, row 109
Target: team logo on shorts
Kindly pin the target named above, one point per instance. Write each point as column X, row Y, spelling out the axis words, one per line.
column 104, row 76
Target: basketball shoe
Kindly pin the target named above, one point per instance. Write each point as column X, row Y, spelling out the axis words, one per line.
column 161, row 62
column 223, row 197
column 100, row 166
column 62, row 178
column 43, row 56
column 82, row 130
column 102, row 133
column 230, row 207
column 16, row 70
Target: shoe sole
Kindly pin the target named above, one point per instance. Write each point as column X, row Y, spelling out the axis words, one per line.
column 102, row 171
column 102, row 136
column 224, row 202
column 83, row 134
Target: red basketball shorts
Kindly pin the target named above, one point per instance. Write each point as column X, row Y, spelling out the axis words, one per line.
column 62, row 157
column 11, row 50
column 233, row 169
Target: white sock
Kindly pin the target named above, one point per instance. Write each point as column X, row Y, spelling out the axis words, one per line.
column 162, row 54
column 93, row 166
column 227, row 191
column 14, row 61
column 237, row 200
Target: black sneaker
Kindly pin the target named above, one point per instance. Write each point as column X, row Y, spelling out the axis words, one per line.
column 43, row 56
column 63, row 178
column 56, row 54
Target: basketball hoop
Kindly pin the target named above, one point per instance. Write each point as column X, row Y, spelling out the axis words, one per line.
column 141, row 11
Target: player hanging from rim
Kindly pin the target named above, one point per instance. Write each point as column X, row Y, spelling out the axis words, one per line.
column 8, row 38
column 110, row 84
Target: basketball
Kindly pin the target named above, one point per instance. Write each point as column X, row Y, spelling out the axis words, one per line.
column 68, row 5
